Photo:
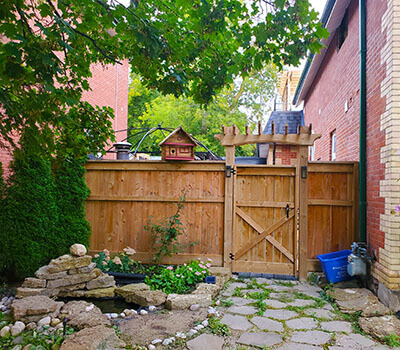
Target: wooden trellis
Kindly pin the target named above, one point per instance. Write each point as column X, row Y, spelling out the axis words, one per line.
column 268, row 241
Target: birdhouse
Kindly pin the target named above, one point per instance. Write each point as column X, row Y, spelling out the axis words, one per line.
column 178, row 145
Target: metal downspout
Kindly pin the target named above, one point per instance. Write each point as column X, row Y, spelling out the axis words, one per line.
column 363, row 123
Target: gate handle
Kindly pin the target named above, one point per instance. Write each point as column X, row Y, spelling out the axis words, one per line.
column 287, row 210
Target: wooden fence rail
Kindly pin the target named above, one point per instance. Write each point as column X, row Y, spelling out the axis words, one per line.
column 126, row 194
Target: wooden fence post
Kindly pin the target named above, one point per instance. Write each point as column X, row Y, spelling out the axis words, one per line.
column 303, row 211
column 228, row 215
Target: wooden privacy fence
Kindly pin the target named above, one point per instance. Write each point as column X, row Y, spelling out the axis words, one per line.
column 125, row 195
column 263, row 211
column 332, row 208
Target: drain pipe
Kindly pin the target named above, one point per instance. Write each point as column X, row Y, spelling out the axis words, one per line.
column 363, row 123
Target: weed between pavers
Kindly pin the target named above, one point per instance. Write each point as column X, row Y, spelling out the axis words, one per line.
column 284, row 283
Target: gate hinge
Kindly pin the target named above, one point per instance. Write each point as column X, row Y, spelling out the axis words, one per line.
column 229, row 171
column 231, row 256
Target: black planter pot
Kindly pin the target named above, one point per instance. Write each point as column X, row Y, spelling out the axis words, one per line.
column 123, row 278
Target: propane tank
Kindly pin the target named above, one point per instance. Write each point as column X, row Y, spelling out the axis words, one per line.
column 357, row 261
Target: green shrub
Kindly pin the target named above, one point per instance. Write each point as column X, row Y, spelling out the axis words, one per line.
column 71, row 194
column 180, row 279
column 29, row 221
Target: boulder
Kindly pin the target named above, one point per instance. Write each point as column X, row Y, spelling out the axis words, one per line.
column 380, row 327
column 223, row 274
column 5, row 331
column 129, row 288
column 82, row 314
column 74, row 287
column 100, row 293
column 29, row 292
column 351, row 300
column 184, row 301
column 68, row 262
column 69, row 280
column 32, row 309
column 78, row 250
column 103, row 281
column 34, row 283
column 94, row 338
column 146, row 297
column 206, row 288
column 85, row 269
column 43, row 273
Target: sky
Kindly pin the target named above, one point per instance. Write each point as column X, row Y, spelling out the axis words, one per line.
column 318, row 5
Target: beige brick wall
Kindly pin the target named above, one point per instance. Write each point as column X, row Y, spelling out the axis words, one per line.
column 387, row 270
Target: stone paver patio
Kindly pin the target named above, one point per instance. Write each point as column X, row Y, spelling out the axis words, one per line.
column 281, row 315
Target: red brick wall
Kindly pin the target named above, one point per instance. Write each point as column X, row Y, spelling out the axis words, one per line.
column 106, row 83
column 337, row 83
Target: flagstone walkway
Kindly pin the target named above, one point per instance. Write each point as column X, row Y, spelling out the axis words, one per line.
column 284, row 315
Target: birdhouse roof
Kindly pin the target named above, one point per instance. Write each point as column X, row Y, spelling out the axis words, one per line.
column 179, row 131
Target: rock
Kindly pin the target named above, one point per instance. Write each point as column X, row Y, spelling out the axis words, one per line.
column 222, row 274
column 85, row 269
column 93, row 338
column 130, row 288
column 205, row 323
column 380, row 327
column 264, row 323
column 32, row 309
column 206, row 288
column 337, row 326
column 5, row 331
column 43, row 273
column 281, row 314
column 17, row 328
column 151, row 347
column 242, row 310
column 103, row 281
column 45, row 321
column 184, row 301
column 194, row 307
column 73, row 279
column 31, row 325
column 143, row 312
column 152, row 308
column 68, row 262
column 192, row 332
column 128, row 312
column 78, row 249
column 100, row 293
column 180, row 335
column 199, row 327
column 78, row 317
column 206, row 341
column 55, row 321
column 31, row 282
column 351, row 300
column 236, row 322
column 114, row 315
column 122, row 314
column 146, row 297
column 311, row 337
column 260, row 339
column 156, row 341
column 73, row 287
column 30, row 292
column 167, row 342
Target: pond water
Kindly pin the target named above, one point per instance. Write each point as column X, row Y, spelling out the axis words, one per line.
column 107, row 305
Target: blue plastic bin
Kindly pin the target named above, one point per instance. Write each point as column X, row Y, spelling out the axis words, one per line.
column 334, row 266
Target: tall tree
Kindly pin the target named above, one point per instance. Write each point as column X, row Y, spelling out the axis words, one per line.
column 179, row 47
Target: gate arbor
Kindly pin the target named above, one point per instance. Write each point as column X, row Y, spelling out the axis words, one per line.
column 266, row 206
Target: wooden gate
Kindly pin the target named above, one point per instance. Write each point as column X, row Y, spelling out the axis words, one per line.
column 264, row 223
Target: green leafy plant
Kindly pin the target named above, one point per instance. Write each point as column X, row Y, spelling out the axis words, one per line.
column 216, row 327
column 165, row 235
column 226, row 302
column 392, row 340
column 180, row 279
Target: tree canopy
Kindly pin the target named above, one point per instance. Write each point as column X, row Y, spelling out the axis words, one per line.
column 241, row 103
column 180, row 47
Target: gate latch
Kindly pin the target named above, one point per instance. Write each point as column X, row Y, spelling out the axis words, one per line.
column 229, row 171
column 231, row 256
column 287, row 210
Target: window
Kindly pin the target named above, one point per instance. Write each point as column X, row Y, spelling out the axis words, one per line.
column 342, row 31
column 333, row 145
